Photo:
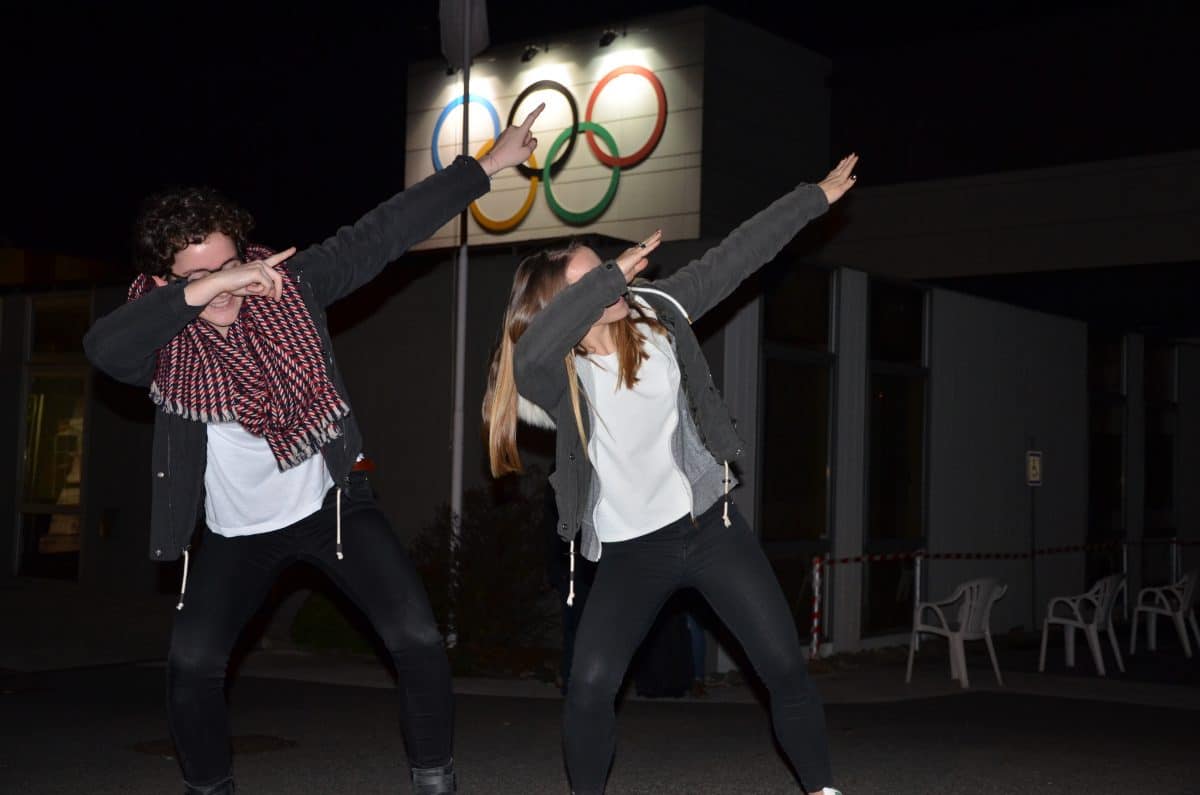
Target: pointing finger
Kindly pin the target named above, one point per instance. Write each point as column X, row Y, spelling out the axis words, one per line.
column 279, row 256
column 532, row 117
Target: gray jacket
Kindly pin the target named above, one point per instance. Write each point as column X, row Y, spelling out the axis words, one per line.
column 706, row 438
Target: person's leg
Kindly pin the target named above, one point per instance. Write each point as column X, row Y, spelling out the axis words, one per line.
column 570, row 619
column 228, row 582
column 632, row 583
column 728, row 567
column 698, row 653
column 379, row 578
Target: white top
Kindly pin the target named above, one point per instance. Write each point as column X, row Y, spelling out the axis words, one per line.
column 641, row 486
column 246, row 494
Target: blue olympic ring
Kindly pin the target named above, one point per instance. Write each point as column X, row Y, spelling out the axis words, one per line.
column 437, row 128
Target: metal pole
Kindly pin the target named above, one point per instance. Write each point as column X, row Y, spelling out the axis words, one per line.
column 460, row 334
column 1033, row 606
column 916, row 597
column 1175, row 568
column 1125, row 571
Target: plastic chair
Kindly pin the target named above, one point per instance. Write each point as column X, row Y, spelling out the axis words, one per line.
column 1092, row 612
column 972, row 622
column 1174, row 601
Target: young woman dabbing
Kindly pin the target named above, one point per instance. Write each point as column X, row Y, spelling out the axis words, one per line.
column 643, row 454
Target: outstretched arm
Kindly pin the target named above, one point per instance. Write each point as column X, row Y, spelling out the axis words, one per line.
column 357, row 253
column 705, row 282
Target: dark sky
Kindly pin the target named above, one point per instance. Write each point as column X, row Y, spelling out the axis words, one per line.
column 297, row 110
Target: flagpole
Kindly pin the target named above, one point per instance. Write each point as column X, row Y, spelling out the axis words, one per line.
column 460, row 331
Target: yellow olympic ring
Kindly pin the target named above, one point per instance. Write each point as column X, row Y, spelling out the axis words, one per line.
column 510, row 223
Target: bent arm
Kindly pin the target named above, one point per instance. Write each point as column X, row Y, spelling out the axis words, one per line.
column 555, row 331
column 124, row 343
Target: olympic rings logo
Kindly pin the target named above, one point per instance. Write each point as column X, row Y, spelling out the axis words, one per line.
column 564, row 144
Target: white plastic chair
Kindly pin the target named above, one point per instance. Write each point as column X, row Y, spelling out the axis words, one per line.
column 972, row 622
column 1174, row 601
column 1092, row 612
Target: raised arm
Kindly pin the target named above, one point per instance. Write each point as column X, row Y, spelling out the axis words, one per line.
column 357, row 253
column 705, row 282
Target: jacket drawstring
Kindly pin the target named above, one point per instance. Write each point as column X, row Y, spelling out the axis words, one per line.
column 725, row 517
column 183, row 585
column 571, row 589
column 339, row 524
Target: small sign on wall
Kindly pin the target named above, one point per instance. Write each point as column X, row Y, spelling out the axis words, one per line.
column 1033, row 467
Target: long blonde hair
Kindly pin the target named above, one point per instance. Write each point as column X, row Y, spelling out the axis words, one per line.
column 539, row 278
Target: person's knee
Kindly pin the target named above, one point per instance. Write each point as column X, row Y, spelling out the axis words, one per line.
column 191, row 661
column 593, row 684
column 413, row 636
column 786, row 676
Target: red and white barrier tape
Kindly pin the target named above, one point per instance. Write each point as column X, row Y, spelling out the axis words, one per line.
column 819, row 562
column 816, row 607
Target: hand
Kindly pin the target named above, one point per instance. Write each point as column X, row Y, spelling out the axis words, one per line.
column 257, row 278
column 634, row 260
column 840, row 180
column 514, row 145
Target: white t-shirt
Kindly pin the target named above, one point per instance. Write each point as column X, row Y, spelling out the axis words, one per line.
column 246, row 494
column 641, row 486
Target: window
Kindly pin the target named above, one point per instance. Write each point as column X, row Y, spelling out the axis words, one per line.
column 1161, row 420
column 1162, row 417
column 795, row 388
column 1107, row 422
column 898, row 397
column 795, row 485
column 56, row 378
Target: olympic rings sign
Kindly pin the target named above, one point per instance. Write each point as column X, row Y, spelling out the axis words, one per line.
column 564, row 144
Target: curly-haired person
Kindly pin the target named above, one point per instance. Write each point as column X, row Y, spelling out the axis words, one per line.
column 253, row 424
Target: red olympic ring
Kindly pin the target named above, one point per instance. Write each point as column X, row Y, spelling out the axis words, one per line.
column 659, row 123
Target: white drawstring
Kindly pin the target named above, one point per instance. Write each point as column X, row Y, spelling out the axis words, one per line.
column 571, row 590
column 339, row 524
column 183, row 585
column 728, row 522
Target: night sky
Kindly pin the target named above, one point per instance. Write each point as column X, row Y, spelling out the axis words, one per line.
column 297, row 111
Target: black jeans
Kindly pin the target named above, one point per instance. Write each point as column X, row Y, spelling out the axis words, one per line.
column 728, row 567
column 230, row 579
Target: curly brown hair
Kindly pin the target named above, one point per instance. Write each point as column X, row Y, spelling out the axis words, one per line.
column 170, row 221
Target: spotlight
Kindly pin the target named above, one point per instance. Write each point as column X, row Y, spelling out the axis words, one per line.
column 528, row 53
column 608, row 37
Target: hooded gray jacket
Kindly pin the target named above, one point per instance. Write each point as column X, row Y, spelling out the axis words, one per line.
column 706, row 435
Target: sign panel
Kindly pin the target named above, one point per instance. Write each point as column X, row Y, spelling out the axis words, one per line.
column 618, row 144
column 1033, row 467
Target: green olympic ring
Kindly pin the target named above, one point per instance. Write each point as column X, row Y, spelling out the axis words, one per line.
column 592, row 213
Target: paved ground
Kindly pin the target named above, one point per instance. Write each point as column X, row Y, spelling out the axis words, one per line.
column 101, row 731
column 325, row 724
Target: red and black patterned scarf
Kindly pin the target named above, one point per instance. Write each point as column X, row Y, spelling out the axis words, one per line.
column 268, row 373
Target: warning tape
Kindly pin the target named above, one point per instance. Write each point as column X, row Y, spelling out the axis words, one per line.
column 820, row 562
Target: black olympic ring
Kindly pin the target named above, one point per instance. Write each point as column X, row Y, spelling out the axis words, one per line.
column 548, row 85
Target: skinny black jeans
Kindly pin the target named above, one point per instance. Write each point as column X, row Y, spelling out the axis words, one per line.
column 728, row 567
column 230, row 579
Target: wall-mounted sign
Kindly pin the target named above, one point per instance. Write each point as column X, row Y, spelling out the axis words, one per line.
column 618, row 144
column 1033, row 467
